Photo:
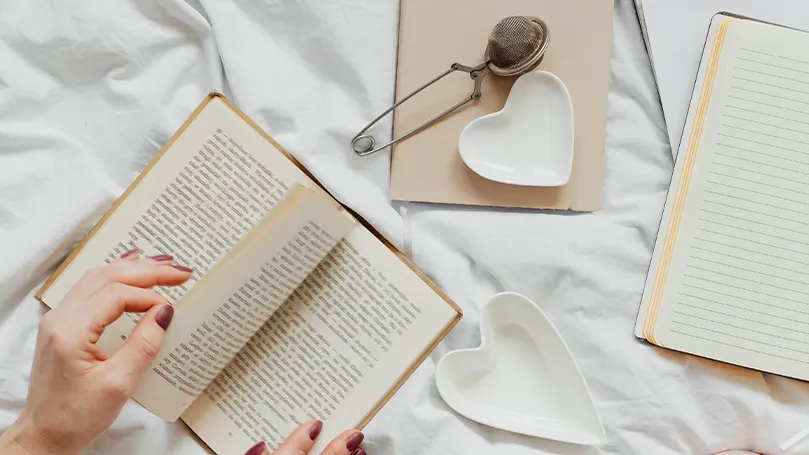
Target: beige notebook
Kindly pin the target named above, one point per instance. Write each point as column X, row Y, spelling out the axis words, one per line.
column 296, row 310
column 433, row 35
column 729, row 279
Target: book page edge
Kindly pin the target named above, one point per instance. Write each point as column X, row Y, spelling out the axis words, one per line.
column 409, row 372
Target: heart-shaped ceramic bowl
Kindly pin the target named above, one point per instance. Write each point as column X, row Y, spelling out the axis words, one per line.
column 522, row 378
column 530, row 141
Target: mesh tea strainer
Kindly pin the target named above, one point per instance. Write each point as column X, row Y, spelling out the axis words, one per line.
column 516, row 46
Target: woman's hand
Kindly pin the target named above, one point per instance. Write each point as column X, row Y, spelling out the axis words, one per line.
column 303, row 438
column 76, row 390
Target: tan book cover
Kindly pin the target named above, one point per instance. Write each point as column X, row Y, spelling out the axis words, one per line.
column 434, row 35
column 297, row 309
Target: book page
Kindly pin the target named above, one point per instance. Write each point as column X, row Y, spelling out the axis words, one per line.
column 332, row 351
column 218, row 317
column 729, row 276
column 210, row 187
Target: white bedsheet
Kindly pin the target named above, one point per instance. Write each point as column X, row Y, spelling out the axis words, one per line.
column 89, row 91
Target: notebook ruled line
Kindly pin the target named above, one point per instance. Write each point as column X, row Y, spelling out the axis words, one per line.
column 749, row 210
column 763, row 73
column 757, row 302
column 769, row 185
column 734, row 326
column 726, row 125
column 760, row 173
column 747, row 49
column 738, row 347
column 742, row 288
column 745, row 139
column 741, row 258
column 690, row 296
column 751, row 111
column 749, row 271
column 738, row 78
column 765, row 124
column 724, row 264
column 749, row 250
column 748, row 280
column 773, row 65
column 736, row 316
column 736, row 157
column 759, row 152
column 753, row 201
column 748, row 190
column 798, row 111
column 757, row 272
column 752, row 231
column 722, row 234
column 760, row 223
column 744, row 89
column 719, row 332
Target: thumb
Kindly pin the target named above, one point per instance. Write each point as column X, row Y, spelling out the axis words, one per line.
column 137, row 354
column 258, row 449
column 301, row 440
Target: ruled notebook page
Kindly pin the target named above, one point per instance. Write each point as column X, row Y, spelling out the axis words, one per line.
column 729, row 279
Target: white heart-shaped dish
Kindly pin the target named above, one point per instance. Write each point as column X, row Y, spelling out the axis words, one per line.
column 530, row 141
column 522, row 378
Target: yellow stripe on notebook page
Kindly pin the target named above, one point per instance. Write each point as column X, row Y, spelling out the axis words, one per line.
column 685, row 178
column 657, row 283
column 689, row 167
column 684, row 183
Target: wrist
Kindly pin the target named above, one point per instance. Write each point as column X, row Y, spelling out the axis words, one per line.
column 23, row 438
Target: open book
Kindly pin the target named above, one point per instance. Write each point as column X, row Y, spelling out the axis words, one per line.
column 729, row 278
column 295, row 310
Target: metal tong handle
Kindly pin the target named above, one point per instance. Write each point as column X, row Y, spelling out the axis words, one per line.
column 477, row 73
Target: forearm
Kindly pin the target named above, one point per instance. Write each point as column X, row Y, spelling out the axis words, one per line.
column 12, row 447
column 22, row 439
column 9, row 446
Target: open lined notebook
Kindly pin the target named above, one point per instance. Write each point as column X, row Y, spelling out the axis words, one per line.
column 729, row 278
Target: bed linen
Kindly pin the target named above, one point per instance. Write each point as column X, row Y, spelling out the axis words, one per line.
column 90, row 90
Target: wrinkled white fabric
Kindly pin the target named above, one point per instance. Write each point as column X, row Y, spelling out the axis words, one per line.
column 90, row 90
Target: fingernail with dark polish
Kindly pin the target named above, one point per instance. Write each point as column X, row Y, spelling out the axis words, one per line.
column 257, row 449
column 129, row 253
column 164, row 316
column 162, row 258
column 314, row 432
column 183, row 268
column 354, row 442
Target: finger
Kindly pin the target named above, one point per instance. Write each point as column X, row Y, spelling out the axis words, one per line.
column 135, row 357
column 258, row 449
column 130, row 255
column 347, row 443
column 92, row 281
column 144, row 273
column 300, row 441
column 164, row 258
column 114, row 300
column 140, row 272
